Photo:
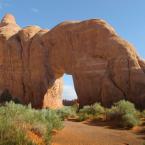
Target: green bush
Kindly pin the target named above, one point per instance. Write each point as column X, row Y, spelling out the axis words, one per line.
column 98, row 109
column 124, row 113
column 143, row 114
column 93, row 111
column 67, row 112
column 10, row 134
column 87, row 110
column 84, row 116
column 16, row 120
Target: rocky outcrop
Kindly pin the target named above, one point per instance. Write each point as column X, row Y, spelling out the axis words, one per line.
column 105, row 68
column 24, row 68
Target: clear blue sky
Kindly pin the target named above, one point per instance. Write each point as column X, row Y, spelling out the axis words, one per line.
column 126, row 16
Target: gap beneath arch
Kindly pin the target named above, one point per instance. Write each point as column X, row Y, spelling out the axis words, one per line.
column 68, row 88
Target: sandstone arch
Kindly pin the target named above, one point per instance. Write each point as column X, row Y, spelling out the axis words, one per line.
column 104, row 67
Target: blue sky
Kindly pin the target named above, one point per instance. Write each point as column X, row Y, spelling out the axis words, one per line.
column 126, row 16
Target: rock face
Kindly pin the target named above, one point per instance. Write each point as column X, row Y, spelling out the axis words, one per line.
column 24, row 67
column 105, row 68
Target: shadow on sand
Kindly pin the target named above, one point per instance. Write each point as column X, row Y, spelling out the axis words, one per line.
column 138, row 130
column 105, row 124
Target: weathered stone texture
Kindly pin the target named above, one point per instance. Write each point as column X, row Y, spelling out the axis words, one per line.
column 24, row 68
column 105, row 68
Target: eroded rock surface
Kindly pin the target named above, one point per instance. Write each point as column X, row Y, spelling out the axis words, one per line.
column 24, row 68
column 105, row 68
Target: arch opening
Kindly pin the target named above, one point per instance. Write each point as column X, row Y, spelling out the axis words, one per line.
column 69, row 95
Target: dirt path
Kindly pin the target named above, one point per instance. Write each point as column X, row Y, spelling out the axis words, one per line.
column 76, row 133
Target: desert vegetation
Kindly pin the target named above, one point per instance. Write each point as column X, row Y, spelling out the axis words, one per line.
column 123, row 113
column 91, row 112
column 19, row 125
column 67, row 112
column 96, row 119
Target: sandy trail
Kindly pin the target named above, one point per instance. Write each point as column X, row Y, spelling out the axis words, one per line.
column 77, row 133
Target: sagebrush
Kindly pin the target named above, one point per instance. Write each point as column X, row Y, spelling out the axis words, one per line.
column 16, row 120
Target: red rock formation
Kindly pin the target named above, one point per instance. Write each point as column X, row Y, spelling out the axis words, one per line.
column 24, row 68
column 104, row 67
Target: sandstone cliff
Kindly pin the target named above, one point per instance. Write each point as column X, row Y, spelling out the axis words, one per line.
column 24, row 68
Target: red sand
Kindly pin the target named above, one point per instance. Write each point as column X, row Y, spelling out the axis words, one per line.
column 76, row 133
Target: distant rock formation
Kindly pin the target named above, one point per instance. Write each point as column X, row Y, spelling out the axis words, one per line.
column 105, row 68
column 69, row 102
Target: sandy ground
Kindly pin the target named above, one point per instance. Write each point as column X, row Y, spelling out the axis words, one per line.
column 77, row 133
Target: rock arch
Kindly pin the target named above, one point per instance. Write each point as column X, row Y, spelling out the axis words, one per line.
column 105, row 68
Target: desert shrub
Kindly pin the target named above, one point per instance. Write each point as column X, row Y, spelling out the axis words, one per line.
column 5, row 96
column 16, row 120
column 143, row 114
column 84, row 116
column 75, row 107
column 10, row 134
column 124, row 113
column 98, row 109
column 67, row 112
column 87, row 109
column 93, row 111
